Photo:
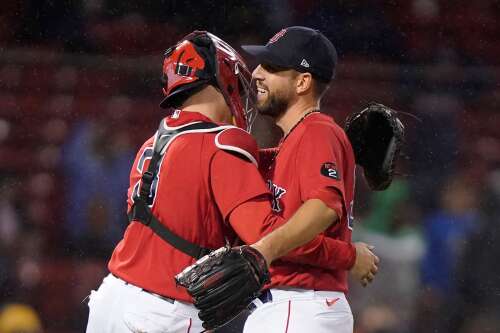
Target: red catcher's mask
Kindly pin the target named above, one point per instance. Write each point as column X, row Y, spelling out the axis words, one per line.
column 202, row 58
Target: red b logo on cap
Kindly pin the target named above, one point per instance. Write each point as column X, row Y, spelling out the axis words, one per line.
column 277, row 36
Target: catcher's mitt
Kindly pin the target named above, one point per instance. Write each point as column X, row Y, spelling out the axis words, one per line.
column 376, row 135
column 224, row 282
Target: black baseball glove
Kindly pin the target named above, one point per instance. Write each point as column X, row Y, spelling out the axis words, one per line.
column 376, row 135
column 224, row 282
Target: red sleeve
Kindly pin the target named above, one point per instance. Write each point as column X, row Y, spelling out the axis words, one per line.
column 234, row 180
column 254, row 219
column 320, row 163
column 324, row 252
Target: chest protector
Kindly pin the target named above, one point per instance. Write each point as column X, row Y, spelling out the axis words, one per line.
column 228, row 138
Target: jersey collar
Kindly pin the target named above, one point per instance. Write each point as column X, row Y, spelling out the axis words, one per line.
column 179, row 117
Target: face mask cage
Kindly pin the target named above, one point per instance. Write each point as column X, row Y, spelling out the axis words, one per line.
column 234, row 79
column 248, row 97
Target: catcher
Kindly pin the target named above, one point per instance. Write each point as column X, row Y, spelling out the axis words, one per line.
column 194, row 187
column 311, row 172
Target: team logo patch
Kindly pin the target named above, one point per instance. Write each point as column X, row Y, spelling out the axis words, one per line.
column 277, row 192
column 278, row 35
column 329, row 169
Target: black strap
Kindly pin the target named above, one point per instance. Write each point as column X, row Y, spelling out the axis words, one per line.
column 163, row 137
column 142, row 213
column 140, row 210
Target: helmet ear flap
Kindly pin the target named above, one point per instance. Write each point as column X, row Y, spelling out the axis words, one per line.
column 187, row 66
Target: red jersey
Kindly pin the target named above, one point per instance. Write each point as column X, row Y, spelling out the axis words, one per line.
column 199, row 185
column 315, row 161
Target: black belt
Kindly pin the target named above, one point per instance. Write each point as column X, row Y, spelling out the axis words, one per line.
column 165, row 298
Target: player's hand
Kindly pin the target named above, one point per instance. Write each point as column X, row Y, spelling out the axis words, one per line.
column 365, row 268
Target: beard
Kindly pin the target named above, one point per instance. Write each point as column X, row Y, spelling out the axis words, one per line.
column 274, row 106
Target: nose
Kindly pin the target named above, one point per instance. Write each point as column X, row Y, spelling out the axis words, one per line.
column 257, row 73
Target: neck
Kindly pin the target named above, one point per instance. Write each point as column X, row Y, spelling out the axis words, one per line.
column 209, row 103
column 294, row 114
column 207, row 109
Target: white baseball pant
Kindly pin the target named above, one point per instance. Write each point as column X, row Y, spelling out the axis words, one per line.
column 299, row 311
column 119, row 307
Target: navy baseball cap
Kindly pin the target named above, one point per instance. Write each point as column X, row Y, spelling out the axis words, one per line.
column 300, row 48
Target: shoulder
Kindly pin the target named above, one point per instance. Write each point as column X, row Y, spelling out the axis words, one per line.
column 321, row 135
column 147, row 144
column 322, row 127
column 238, row 141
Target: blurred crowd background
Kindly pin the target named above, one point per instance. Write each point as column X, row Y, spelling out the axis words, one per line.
column 79, row 93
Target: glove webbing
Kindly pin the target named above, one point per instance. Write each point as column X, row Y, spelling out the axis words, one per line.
column 140, row 210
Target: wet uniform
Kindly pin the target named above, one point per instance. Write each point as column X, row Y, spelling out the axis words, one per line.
column 200, row 181
column 315, row 161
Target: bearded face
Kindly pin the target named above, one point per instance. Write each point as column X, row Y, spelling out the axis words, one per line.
column 274, row 90
column 273, row 103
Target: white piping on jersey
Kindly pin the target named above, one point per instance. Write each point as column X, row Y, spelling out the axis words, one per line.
column 145, row 159
column 235, row 149
column 205, row 130
column 168, row 128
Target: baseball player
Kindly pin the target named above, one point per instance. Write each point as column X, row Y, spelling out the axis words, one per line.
column 194, row 187
column 315, row 162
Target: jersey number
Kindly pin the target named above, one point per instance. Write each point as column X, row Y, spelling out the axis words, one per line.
column 147, row 154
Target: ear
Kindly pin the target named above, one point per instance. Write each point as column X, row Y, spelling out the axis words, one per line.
column 304, row 83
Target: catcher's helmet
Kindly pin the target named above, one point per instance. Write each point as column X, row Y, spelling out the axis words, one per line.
column 202, row 58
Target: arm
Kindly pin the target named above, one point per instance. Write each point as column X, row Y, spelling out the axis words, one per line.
column 244, row 202
column 322, row 168
column 305, row 226
column 254, row 219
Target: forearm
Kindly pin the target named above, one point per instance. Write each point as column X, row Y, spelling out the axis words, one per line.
column 324, row 252
column 254, row 219
column 310, row 220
